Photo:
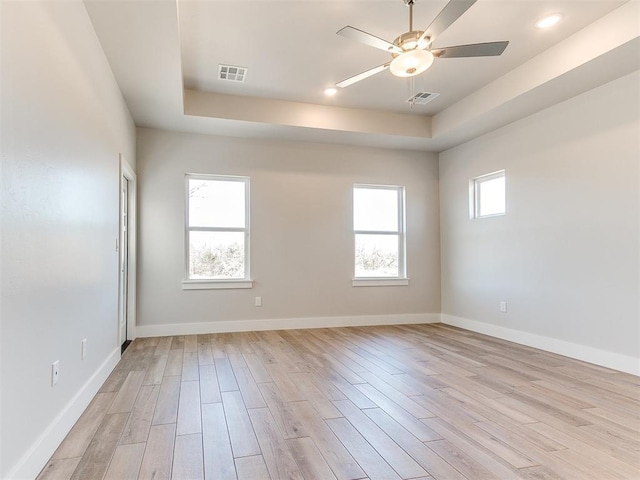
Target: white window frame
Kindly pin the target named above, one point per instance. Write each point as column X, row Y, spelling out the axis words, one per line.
column 402, row 278
column 210, row 283
column 474, row 194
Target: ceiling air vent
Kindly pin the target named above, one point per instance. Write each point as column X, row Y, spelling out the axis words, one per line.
column 231, row 73
column 422, row 98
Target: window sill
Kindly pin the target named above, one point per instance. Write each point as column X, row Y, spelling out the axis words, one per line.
column 215, row 284
column 379, row 282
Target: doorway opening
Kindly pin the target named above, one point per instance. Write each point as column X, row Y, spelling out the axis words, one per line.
column 127, row 256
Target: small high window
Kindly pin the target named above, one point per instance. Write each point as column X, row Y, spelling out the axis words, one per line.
column 487, row 195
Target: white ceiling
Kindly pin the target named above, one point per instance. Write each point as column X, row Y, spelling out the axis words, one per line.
column 158, row 47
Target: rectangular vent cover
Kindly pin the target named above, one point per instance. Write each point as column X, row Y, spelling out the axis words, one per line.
column 232, row 73
column 422, row 98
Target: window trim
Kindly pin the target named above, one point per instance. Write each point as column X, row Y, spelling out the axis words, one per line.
column 402, row 278
column 218, row 283
column 474, row 194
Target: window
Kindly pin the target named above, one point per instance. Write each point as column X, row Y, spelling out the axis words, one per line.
column 378, row 227
column 217, row 232
column 487, row 195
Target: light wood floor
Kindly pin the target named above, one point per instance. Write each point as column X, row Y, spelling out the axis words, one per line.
column 411, row 402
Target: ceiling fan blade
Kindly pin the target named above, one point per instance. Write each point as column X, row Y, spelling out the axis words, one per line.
column 368, row 39
column 449, row 14
column 491, row 49
column 362, row 76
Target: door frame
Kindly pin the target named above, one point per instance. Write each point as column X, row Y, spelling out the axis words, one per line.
column 127, row 172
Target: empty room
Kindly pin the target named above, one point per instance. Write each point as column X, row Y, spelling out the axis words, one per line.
column 320, row 239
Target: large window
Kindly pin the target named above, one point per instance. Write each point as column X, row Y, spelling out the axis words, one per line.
column 487, row 195
column 217, row 232
column 379, row 234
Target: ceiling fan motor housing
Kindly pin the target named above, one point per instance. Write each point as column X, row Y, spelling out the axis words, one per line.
column 409, row 41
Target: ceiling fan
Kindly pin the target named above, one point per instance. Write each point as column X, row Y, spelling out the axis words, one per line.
column 412, row 52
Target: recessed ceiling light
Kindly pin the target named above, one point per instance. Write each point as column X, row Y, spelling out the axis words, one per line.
column 330, row 91
column 549, row 20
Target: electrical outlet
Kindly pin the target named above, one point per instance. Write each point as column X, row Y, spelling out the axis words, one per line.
column 55, row 372
column 258, row 301
column 503, row 307
column 84, row 349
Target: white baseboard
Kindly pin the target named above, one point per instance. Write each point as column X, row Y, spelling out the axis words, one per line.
column 615, row 361
column 283, row 324
column 43, row 448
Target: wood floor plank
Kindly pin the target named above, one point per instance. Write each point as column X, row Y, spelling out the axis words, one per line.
column 209, row 388
column 418, row 450
column 373, row 464
column 218, row 457
column 344, row 466
column 126, row 397
column 139, row 422
column 395, row 456
column 156, row 371
column 96, row 458
column 257, row 368
column 60, row 469
column 190, row 371
column 312, row 393
column 126, row 461
column 158, row 454
column 477, row 456
column 188, row 458
column 248, row 387
column 592, row 452
column 285, row 417
column 408, row 421
column 174, row 363
column 252, row 468
column 288, row 390
column 78, row 439
column 226, row 378
column 309, row 458
column 191, row 343
column 243, row 438
column 189, row 417
column 167, row 404
column 275, row 451
column 164, row 346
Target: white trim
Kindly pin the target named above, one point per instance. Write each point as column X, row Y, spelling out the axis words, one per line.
column 224, row 326
column 615, row 361
column 379, row 282
column 127, row 171
column 215, row 285
column 30, row 465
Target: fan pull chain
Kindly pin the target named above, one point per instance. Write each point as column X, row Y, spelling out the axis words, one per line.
column 412, row 92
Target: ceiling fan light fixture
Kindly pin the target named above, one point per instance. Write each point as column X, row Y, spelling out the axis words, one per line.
column 411, row 63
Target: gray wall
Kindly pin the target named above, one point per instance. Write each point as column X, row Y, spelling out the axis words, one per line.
column 565, row 255
column 301, row 229
column 63, row 124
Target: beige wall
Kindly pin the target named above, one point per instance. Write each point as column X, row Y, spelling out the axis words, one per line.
column 565, row 256
column 301, row 223
column 64, row 122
